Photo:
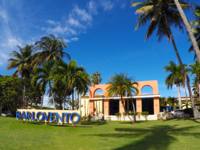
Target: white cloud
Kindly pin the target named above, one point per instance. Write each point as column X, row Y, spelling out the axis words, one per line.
column 66, row 40
column 74, row 39
column 12, row 42
column 52, row 22
column 3, row 55
column 106, row 4
column 4, row 15
column 92, row 6
column 82, row 14
column 59, row 30
column 74, row 22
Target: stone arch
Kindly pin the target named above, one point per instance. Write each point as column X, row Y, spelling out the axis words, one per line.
column 152, row 84
column 148, row 90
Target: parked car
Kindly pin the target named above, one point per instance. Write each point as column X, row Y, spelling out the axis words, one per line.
column 178, row 112
column 6, row 115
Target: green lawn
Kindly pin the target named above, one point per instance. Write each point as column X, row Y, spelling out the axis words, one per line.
column 159, row 135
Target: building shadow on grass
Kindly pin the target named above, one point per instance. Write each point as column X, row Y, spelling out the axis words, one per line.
column 155, row 137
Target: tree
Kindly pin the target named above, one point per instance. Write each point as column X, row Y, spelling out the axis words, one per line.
column 195, row 29
column 162, row 101
column 175, row 77
column 52, row 48
column 22, row 61
column 171, row 101
column 132, row 90
column 188, row 27
column 96, row 78
column 74, row 77
column 162, row 15
column 195, row 69
column 44, row 76
column 119, row 84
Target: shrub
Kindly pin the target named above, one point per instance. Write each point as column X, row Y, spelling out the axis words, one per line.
column 132, row 114
column 145, row 114
column 117, row 115
column 83, row 118
column 124, row 115
column 188, row 111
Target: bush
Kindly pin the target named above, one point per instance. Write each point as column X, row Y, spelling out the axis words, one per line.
column 89, row 117
column 118, row 115
column 132, row 114
column 188, row 111
column 83, row 118
column 124, row 115
column 145, row 114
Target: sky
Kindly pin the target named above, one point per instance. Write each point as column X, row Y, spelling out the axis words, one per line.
column 100, row 36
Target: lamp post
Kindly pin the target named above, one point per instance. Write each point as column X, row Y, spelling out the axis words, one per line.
column 103, row 106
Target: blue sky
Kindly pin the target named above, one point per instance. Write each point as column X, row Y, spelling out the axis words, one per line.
column 99, row 34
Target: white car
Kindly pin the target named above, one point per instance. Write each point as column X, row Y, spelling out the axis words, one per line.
column 178, row 112
column 6, row 115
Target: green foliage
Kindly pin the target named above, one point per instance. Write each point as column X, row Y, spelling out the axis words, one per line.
column 171, row 101
column 118, row 115
column 138, row 115
column 89, row 117
column 145, row 114
column 162, row 101
column 96, row 78
column 188, row 111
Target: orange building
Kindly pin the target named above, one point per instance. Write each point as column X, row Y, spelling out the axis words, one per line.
column 112, row 105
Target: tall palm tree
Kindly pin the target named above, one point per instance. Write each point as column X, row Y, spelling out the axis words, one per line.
column 44, row 76
column 162, row 14
column 175, row 77
column 22, row 61
column 196, row 29
column 132, row 90
column 74, row 77
column 52, row 48
column 96, row 78
column 195, row 69
column 188, row 27
column 119, row 84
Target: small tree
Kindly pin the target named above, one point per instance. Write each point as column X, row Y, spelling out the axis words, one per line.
column 124, row 115
column 145, row 114
column 132, row 114
column 118, row 115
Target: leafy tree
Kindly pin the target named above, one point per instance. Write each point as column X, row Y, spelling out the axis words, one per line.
column 96, row 78
column 195, row 87
column 119, row 84
column 175, row 77
column 22, row 61
column 74, row 77
column 171, row 101
column 162, row 14
column 52, row 48
column 44, row 76
column 162, row 101
column 195, row 69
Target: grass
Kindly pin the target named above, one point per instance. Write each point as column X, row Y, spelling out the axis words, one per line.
column 177, row 134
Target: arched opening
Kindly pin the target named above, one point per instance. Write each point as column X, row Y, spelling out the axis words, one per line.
column 146, row 90
column 98, row 93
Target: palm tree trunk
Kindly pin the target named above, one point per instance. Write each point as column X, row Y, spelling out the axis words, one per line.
column 52, row 96
column 185, row 93
column 24, row 103
column 188, row 27
column 195, row 110
column 42, row 100
column 179, row 96
column 125, row 110
column 64, row 102
column 134, row 110
column 199, row 88
column 73, row 99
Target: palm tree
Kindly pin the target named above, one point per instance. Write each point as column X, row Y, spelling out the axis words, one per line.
column 96, row 78
column 175, row 77
column 188, row 27
column 22, row 61
column 51, row 49
column 171, row 101
column 195, row 87
column 162, row 14
column 119, row 84
column 44, row 76
column 196, row 29
column 195, row 69
column 132, row 90
column 74, row 77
